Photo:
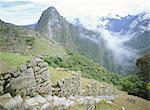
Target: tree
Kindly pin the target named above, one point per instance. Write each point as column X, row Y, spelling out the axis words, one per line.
column 144, row 64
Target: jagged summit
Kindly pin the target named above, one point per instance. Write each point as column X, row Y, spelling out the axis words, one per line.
column 50, row 14
column 51, row 9
column 50, row 19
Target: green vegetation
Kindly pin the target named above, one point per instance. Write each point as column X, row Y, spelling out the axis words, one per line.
column 144, row 65
column 30, row 41
column 11, row 60
column 78, row 107
column 25, row 41
column 47, row 47
column 88, row 68
column 134, row 85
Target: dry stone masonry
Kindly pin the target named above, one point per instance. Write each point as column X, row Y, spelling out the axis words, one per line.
column 70, row 86
column 29, row 88
column 30, row 79
column 7, row 102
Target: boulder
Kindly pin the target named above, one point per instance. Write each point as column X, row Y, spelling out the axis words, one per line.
column 5, row 98
column 14, row 104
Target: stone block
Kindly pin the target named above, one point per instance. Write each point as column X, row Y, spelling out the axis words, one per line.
column 23, row 67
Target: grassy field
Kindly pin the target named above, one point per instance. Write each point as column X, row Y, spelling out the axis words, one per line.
column 107, row 106
column 57, row 74
column 139, row 104
column 11, row 60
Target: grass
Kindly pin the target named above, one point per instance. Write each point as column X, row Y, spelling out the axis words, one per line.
column 57, row 74
column 78, row 107
column 107, row 106
column 140, row 104
column 11, row 60
column 47, row 47
column 100, row 106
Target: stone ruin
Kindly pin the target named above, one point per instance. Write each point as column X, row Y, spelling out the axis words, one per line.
column 29, row 79
column 29, row 88
column 70, row 86
column 95, row 88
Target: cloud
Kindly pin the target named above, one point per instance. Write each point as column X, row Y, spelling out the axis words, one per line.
column 96, row 8
column 29, row 11
column 21, row 12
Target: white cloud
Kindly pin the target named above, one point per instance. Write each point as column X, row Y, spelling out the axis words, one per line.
column 72, row 8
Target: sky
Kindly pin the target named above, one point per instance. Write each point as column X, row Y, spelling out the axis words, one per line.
column 23, row 12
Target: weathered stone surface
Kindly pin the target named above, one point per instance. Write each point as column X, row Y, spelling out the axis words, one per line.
column 14, row 103
column 2, row 108
column 45, row 88
column 36, row 68
column 2, row 82
column 25, row 80
column 42, row 70
column 32, row 63
column 43, row 64
column 70, row 86
column 1, row 90
column 5, row 98
column 6, row 76
column 38, row 60
column 23, row 67
column 99, row 89
column 39, row 99
column 47, row 106
column 50, row 102
column 15, row 74
column 29, row 80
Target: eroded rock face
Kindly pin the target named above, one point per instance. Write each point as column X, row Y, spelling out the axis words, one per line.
column 30, row 79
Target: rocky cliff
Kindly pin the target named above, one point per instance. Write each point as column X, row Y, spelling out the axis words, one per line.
column 84, row 41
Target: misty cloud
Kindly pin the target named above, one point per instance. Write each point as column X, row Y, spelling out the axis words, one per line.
column 115, row 42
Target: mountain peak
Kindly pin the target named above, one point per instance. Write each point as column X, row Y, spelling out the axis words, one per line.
column 51, row 12
column 51, row 9
column 49, row 16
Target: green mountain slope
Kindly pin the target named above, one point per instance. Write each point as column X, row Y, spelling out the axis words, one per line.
column 80, row 40
column 22, row 40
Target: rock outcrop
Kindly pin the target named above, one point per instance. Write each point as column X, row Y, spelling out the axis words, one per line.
column 29, row 79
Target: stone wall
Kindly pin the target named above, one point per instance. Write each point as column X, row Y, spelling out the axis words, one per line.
column 96, row 88
column 7, row 102
column 29, row 79
column 70, row 86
